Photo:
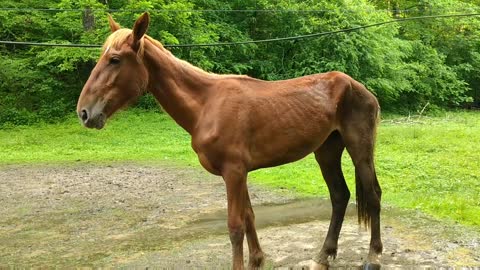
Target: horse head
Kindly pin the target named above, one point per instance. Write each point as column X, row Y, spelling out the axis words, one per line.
column 119, row 76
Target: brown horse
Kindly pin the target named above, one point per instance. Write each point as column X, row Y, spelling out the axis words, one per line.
column 239, row 124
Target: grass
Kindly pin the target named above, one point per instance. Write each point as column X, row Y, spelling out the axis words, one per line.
column 131, row 136
column 431, row 163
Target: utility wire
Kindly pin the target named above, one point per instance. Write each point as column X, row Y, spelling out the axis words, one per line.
column 219, row 10
column 233, row 43
column 68, row 45
column 186, row 10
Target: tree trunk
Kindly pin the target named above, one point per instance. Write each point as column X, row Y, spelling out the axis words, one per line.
column 88, row 19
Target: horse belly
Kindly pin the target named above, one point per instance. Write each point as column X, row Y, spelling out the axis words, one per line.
column 280, row 151
column 288, row 139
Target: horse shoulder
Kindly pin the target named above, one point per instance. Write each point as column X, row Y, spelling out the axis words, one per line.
column 217, row 137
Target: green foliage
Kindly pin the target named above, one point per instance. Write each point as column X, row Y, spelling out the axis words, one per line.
column 456, row 41
column 27, row 93
column 406, row 65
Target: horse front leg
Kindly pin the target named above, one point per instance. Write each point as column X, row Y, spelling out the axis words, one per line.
column 256, row 255
column 235, row 176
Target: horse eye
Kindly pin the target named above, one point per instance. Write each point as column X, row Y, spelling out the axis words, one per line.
column 114, row 60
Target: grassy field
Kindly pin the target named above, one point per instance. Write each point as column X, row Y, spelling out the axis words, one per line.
column 430, row 163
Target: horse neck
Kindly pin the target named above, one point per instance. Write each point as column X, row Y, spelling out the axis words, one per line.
column 180, row 88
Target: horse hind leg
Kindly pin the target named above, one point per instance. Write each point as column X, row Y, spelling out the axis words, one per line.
column 359, row 137
column 329, row 157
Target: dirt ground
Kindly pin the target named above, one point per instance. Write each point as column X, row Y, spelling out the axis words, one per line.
column 132, row 216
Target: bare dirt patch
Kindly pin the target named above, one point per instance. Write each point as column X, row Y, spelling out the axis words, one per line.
column 161, row 216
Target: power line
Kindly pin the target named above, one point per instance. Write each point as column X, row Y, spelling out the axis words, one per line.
column 222, row 10
column 164, row 10
column 68, row 45
column 234, row 43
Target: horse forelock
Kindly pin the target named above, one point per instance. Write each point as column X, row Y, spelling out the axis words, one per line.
column 118, row 38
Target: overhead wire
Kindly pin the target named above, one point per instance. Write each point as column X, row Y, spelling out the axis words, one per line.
column 234, row 43
column 213, row 10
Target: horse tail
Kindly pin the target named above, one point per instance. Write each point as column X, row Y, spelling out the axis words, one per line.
column 363, row 216
column 362, row 200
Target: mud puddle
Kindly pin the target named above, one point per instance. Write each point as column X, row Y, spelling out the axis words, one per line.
column 155, row 216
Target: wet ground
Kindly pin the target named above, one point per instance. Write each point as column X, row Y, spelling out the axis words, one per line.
column 159, row 216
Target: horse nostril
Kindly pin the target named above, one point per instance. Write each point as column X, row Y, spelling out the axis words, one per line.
column 84, row 115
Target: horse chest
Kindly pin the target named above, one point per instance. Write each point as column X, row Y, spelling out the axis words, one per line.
column 212, row 150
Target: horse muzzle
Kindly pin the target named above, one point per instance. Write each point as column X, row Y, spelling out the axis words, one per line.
column 91, row 119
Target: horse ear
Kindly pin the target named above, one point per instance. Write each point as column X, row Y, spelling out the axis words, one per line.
column 140, row 28
column 114, row 26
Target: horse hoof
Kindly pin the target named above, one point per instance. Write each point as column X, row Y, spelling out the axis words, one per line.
column 371, row 266
column 318, row 266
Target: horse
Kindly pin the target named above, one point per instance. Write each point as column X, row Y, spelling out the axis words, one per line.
column 239, row 124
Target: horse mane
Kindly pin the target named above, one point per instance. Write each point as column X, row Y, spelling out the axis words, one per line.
column 183, row 63
column 119, row 37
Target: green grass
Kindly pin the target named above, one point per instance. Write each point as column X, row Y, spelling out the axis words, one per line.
column 431, row 164
column 131, row 136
